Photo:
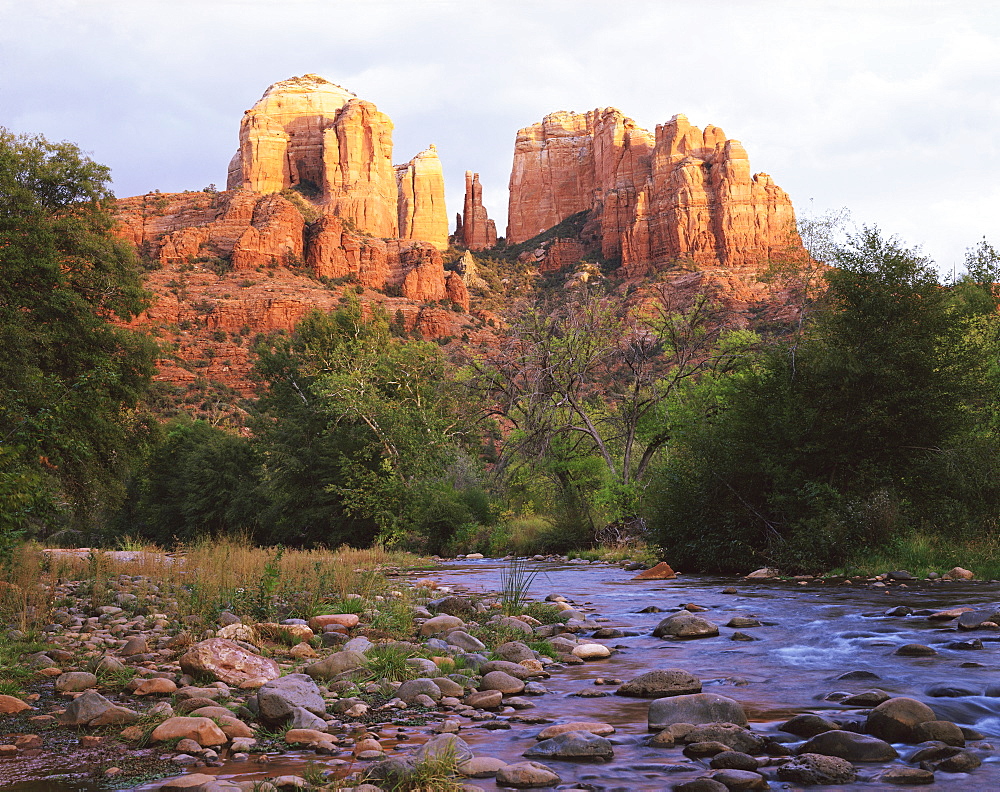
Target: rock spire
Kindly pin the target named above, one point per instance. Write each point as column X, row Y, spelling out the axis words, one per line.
column 474, row 229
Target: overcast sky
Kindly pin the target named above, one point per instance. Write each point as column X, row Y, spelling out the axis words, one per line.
column 891, row 109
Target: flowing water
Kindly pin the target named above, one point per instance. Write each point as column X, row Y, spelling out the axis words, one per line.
column 810, row 636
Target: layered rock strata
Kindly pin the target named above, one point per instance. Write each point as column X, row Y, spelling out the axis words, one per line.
column 314, row 136
column 422, row 213
column 226, row 266
column 474, row 229
column 681, row 194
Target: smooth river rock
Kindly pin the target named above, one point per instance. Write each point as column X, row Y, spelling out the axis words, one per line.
column 661, row 684
column 227, row 662
column 696, row 708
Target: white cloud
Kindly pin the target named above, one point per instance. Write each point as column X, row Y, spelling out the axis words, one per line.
column 888, row 108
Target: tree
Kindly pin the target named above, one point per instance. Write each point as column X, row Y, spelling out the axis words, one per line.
column 829, row 441
column 355, row 426
column 71, row 378
column 198, row 480
column 594, row 376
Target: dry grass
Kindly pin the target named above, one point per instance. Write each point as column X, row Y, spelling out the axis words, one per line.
column 204, row 578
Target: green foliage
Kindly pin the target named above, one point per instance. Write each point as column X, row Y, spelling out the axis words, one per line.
column 515, row 582
column 197, row 480
column 388, row 663
column 355, row 428
column 71, row 381
column 842, row 438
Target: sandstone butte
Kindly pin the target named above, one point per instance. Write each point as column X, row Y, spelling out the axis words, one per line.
column 681, row 194
column 314, row 208
column 225, row 265
column 473, row 227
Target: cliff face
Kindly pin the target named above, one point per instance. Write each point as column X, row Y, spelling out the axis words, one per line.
column 335, row 148
column 226, row 266
column 681, row 194
column 474, row 229
column 422, row 213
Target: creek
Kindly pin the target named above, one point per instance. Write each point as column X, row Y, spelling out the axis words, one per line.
column 810, row 635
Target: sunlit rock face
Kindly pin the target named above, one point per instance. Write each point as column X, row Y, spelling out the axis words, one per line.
column 681, row 193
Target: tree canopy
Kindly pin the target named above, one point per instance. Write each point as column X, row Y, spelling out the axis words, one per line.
column 71, row 377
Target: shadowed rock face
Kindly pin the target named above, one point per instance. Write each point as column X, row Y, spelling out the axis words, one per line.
column 681, row 193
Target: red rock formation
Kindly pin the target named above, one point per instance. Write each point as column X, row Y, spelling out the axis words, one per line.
column 681, row 195
column 359, row 181
column 422, row 213
column 283, row 136
column 308, row 133
column 457, row 293
column 421, row 271
column 474, row 229
column 274, row 237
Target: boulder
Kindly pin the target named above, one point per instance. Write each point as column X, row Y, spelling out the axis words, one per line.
column 133, row 646
column 485, row 699
column 685, row 625
column 422, row 686
column 906, row 776
column 661, row 684
column 915, row 650
column 502, row 681
column 695, row 708
column 227, row 662
column 600, row 729
column 661, row 571
column 514, row 669
column 740, row 780
column 74, row 681
column 277, row 698
column 319, row 623
column 306, row 736
column 464, row 641
column 573, row 745
column 591, row 651
column 940, row 730
column 11, row 705
column 441, row 624
column 201, row 730
column 849, row 745
column 300, row 718
column 527, row 775
column 808, row 725
column 481, row 767
column 813, row 769
column 732, row 736
column 733, row 760
column 894, row 720
column 333, row 666
column 958, row 573
column 155, row 687
column 444, row 745
column 85, row 708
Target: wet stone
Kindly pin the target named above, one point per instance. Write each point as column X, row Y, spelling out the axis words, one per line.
column 915, row 650
column 907, row 776
column 868, row 698
column 850, row 746
column 573, row 745
column 808, row 725
column 733, row 760
column 738, row 780
column 814, row 769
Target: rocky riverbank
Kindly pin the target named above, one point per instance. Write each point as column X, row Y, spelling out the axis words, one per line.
column 131, row 690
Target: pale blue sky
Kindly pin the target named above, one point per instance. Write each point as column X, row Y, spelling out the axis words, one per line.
column 891, row 111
